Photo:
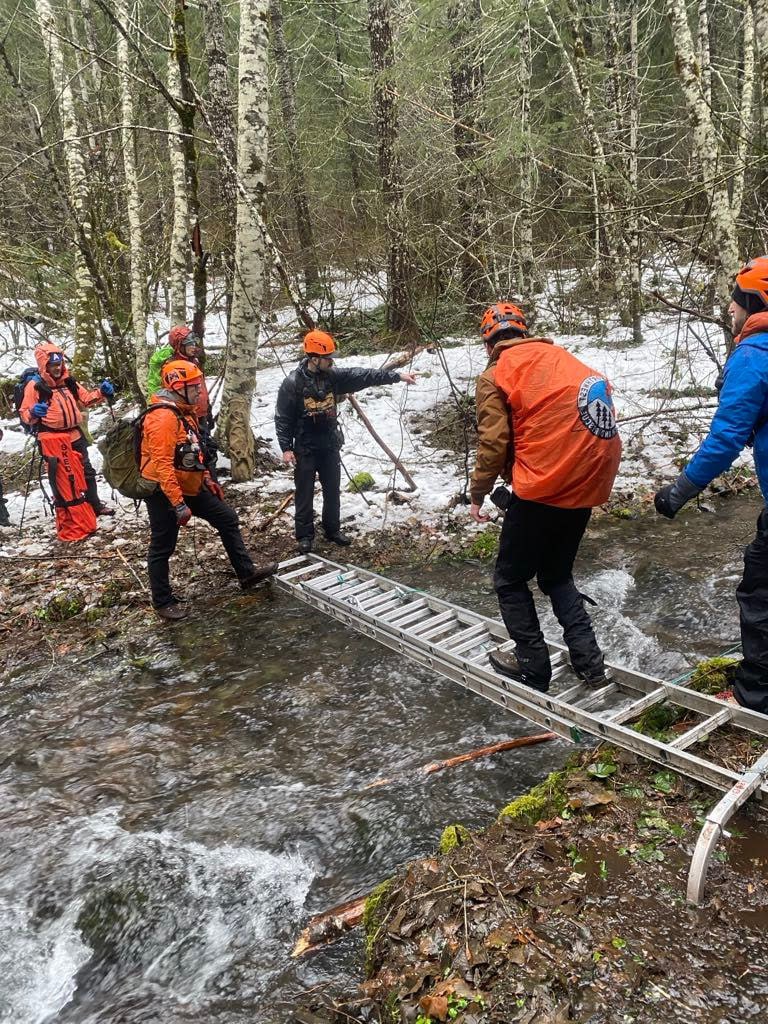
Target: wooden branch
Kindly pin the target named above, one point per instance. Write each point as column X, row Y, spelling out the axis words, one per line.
column 329, row 926
column 382, row 443
column 696, row 313
column 474, row 755
column 281, row 508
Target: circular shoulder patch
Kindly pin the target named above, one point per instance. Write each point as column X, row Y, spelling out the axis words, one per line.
column 596, row 407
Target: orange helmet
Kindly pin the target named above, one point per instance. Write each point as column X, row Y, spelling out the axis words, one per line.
column 752, row 280
column 501, row 316
column 177, row 373
column 318, row 343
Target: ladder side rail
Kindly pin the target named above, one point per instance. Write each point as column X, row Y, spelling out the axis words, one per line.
column 751, row 781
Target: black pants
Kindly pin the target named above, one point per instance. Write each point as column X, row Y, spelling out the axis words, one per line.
column 91, row 490
column 165, row 533
column 326, row 462
column 543, row 541
column 751, row 685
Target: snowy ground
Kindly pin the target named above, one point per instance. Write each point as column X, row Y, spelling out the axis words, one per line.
column 658, row 432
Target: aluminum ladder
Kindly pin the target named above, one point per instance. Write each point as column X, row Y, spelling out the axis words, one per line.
column 455, row 642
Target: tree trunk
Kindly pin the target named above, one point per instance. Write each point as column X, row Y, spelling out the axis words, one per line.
column 467, row 74
column 633, row 214
column 179, row 249
column 296, row 178
column 250, row 248
column 343, row 96
column 704, row 52
column 133, row 202
column 528, row 277
column 400, row 315
column 85, row 306
column 760, row 13
column 220, row 106
column 745, row 112
column 707, row 150
column 187, row 118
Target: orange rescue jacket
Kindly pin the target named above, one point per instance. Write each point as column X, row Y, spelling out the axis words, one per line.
column 65, row 401
column 161, row 432
column 566, row 443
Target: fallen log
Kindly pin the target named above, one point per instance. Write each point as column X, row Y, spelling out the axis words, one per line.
column 471, row 755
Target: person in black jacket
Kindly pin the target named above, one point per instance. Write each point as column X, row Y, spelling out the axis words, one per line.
column 306, row 422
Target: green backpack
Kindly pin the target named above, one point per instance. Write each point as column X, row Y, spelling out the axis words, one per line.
column 121, row 452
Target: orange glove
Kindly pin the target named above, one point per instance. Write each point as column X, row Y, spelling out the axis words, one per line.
column 213, row 486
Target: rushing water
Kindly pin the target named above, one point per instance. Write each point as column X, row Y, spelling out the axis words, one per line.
column 170, row 814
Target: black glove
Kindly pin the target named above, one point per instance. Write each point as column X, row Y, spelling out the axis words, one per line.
column 670, row 499
column 501, row 497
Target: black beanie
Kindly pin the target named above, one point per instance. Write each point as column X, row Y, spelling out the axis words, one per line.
column 748, row 300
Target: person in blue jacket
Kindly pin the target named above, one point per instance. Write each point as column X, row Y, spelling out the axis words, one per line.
column 741, row 419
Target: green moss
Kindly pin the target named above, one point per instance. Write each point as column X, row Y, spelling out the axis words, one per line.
column 361, row 482
column 373, row 917
column 657, row 720
column 545, row 800
column 623, row 513
column 714, row 675
column 453, row 836
column 111, row 595
column 61, row 607
column 484, row 545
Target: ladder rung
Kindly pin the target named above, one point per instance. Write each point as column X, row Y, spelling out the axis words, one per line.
column 594, row 696
column 476, row 629
column 637, row 707
column 702, row 730
column 328, row 579
column 471, row 643
column 356, row 589
column 437, row 622
column 566, row 695
column 342, row 585
column 295, row 573
column 418, row 618
column 403, row 611
column 383, row 597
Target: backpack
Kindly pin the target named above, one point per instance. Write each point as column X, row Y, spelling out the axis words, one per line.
column 121, row 451
column 44, row 392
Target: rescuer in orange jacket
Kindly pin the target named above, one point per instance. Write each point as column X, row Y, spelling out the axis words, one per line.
column 546, row 424
column 172, row 456
column 53, row 404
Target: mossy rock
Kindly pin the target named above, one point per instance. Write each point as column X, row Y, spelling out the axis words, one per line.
column 373, row 918
column 111, row 595
column 546, row 800
column 361, row 482
column 714, row 675
column 61, row 607
column 484, row 546
column 453, row 836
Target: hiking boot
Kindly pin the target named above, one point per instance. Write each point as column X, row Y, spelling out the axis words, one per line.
column 339, row 538
column 258, row 575
column 104, row 510
column 596, row 682
column 171, row 612
column 506, row 664
column 304, row 545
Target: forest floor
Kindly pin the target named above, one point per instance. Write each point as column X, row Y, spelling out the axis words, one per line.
column 570, row 907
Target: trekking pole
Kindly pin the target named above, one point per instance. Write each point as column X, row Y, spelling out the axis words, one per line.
column 29, row 484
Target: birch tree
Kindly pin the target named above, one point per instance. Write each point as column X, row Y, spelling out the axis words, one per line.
column 250, row 248
column 528, row 278
column 707, row 150
column 138, row 253
column 399, row 264
column 85, row 305
column 178, row 257
column 745, row 111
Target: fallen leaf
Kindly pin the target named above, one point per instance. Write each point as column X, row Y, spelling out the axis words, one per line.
column 435, row 1006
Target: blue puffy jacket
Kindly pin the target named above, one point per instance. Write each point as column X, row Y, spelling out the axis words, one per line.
column 742, row 412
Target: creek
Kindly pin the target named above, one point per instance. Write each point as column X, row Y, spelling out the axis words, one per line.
column 172, row 809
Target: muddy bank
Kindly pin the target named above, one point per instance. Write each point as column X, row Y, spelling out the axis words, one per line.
column 571, row 907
